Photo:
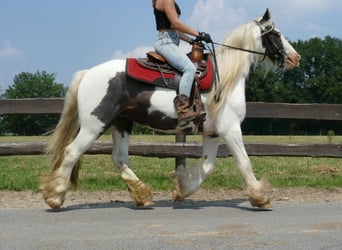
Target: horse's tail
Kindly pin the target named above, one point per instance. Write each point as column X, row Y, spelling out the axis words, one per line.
column 67, row 128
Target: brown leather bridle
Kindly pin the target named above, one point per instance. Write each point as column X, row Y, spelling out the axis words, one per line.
column 271, row 41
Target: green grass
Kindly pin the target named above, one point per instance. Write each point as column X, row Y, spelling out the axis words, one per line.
column 21, row 172
column 97, row 173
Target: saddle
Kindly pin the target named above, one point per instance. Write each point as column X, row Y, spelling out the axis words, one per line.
column 156, row 71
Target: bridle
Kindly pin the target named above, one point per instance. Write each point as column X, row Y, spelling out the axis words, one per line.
column 271, row 40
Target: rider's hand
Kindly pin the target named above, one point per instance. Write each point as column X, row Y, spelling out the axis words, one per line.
column 203, row 36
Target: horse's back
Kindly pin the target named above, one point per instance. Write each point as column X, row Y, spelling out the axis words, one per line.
column 96, row 83
column 107, row 69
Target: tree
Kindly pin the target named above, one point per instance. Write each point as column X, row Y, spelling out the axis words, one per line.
column 322, row 69
column 28, row 85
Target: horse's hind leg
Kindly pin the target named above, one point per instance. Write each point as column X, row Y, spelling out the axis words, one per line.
column 56, row 184
column 140, row 192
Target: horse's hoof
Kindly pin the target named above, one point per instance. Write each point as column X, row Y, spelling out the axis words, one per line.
column 145, row 203
column 176, row 196
column 56, row 206
column 148, row 204
column 53, row 199
column 140, row 193
column 262, row 203
column 266, row 205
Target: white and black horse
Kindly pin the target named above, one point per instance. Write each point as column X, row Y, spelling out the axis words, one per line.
column 106, row 97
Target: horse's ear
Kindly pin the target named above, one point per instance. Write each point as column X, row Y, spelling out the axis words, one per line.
column 266, row 17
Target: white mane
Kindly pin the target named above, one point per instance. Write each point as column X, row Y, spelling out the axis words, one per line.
column 233, row 64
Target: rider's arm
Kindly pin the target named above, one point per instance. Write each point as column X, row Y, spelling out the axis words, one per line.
column 185, row 37
column 176, row 23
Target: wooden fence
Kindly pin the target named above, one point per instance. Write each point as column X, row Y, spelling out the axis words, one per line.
column 181, row 148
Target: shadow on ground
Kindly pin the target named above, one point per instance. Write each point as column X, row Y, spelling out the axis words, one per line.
column 238, row 203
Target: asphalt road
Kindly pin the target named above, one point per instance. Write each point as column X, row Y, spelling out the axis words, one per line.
column 190, row 225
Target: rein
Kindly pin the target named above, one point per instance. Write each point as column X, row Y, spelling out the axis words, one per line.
column 217, row 75
column 241, row 49
column 265, row 29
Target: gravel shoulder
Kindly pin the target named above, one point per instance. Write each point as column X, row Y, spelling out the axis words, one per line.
column 27, row 199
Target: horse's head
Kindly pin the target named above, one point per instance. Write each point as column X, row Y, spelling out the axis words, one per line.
column 277, row 49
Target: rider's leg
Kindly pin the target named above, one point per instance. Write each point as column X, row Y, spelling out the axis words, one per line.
column 167, row 45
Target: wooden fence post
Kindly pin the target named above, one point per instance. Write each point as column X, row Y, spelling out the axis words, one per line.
column 180, row 161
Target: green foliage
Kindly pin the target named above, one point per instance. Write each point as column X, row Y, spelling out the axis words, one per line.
column 28, row 85
column 331, row 135
column 139, row 129
column 37, row 85
column 321, row 69
column 318, row 79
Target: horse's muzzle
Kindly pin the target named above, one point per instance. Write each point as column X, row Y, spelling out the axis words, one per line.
column 292, row 60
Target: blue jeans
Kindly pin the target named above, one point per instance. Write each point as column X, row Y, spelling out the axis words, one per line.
column 167, row 45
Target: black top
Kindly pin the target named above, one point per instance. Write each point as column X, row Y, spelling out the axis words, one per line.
column 162, row 22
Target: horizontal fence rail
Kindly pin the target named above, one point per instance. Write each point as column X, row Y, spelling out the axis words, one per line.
column 186, row 150
column 294, row 111
column 31, row 106
column 254, row 109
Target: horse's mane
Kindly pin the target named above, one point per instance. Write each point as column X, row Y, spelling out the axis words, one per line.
column 232, row 65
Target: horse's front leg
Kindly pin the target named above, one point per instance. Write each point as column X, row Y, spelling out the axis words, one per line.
column 139, row 191
column 257, row 191
column 188, row 180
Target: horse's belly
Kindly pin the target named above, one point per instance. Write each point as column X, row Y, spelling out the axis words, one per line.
column 155, row 111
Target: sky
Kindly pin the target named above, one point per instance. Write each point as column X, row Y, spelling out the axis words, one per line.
column 62, row 37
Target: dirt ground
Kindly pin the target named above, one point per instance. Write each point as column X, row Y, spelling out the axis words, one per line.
column 27, row 199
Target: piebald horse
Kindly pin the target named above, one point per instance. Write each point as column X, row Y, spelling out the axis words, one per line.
column 105, row 97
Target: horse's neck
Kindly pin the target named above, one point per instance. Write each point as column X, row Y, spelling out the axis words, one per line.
column 234, row 67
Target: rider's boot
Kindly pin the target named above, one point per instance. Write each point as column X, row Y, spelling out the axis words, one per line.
column 183, row 109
